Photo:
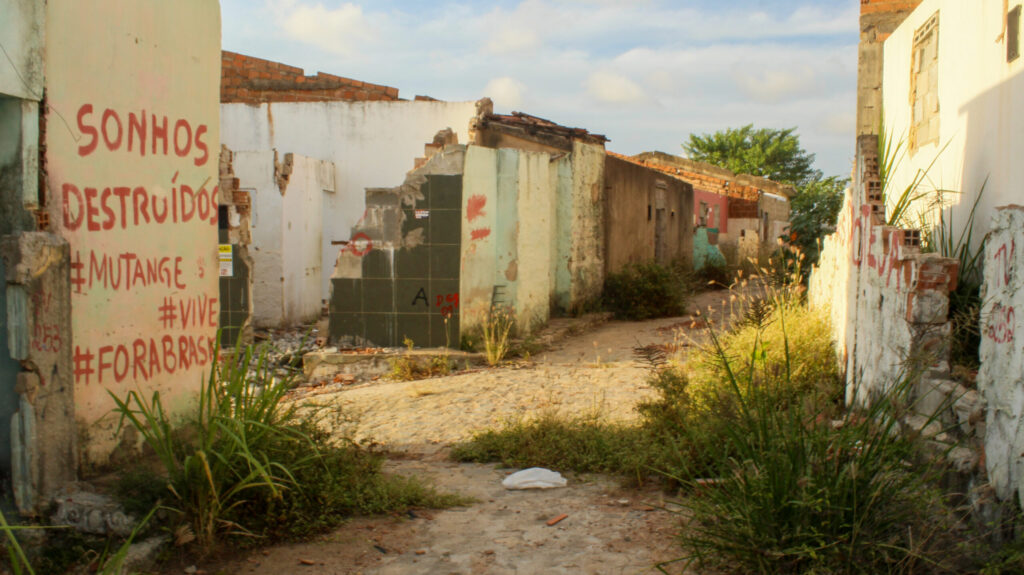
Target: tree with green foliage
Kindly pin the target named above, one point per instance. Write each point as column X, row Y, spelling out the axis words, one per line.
column 777, row 155
column 814, row 211
column 765, row 152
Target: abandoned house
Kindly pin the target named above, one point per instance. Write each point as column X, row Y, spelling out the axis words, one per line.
column 735, row 216
column 948, row 75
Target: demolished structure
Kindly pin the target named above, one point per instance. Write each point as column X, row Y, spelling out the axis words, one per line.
column 513, row 220
column 306, row 149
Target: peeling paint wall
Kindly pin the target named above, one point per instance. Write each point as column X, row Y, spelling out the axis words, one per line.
column 480, row 235
column 512, row 244
column 1001, row 376
column 891, row 299
column 534, row 231
column 370, row 144
column 132, row 186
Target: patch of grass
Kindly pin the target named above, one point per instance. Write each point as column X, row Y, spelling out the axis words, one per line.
column 582, row 444
column 645, row 290
column 247, row 464
column 411, row 368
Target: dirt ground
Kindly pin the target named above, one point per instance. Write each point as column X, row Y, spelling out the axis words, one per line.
column 608, row 529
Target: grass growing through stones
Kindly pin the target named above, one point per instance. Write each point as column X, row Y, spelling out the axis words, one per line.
column 246, row 464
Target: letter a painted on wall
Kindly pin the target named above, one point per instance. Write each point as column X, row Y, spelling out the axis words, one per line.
column 421, row 295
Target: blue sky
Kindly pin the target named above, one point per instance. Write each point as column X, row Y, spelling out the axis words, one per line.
column 646, row 73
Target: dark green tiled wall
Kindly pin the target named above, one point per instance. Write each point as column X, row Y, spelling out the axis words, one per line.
column 234, row 297
column 398, row 295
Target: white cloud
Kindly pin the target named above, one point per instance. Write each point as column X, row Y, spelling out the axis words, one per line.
column 506, row 92
column 513, row 40
column 775, row 83
column 681, row 67
column 339, row 30
column 613, row 88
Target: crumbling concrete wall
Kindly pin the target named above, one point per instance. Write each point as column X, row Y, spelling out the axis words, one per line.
column 132, row 187
column 587, row 260
column 509, row 235
column 234, row 235
column 42, row 433
column 889, row 305
column 397, row 277
column 1001, row 375
column 369, row 142
column 891, row 299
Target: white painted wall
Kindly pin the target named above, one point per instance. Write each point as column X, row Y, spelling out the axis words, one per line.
column 372, row 144
column 286, row 235
column 21, row 33
column 302, row 230
column 255, row 173
column 981, row 106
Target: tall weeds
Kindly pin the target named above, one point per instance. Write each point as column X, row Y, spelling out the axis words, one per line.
column 247, row 463
column 806, row 487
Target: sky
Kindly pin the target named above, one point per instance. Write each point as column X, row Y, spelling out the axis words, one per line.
column 645, row 73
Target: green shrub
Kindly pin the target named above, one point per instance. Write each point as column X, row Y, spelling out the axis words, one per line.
column 645, row 290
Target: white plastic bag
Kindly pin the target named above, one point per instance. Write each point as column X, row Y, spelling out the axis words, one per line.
column 534, row 478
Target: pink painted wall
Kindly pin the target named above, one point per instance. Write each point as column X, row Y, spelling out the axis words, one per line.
column 718, row 203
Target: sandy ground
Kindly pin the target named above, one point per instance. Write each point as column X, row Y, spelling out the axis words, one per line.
column 608, row 529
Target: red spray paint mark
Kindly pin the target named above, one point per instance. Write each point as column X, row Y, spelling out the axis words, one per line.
column 360, row 244
column 479, row 234
column 475, row 207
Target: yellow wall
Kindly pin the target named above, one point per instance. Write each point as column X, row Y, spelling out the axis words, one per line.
column 132, row 141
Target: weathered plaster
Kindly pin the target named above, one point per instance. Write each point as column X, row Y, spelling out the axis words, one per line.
column 286, row 227
column 22, row 34
column 147, row 320
column 979, row 98
column 43, row 430
column 1001, row 375
column 586, row 262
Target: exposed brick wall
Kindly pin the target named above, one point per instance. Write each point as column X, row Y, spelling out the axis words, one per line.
column 253, row 80
column 880, row 6
column 741, row 208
